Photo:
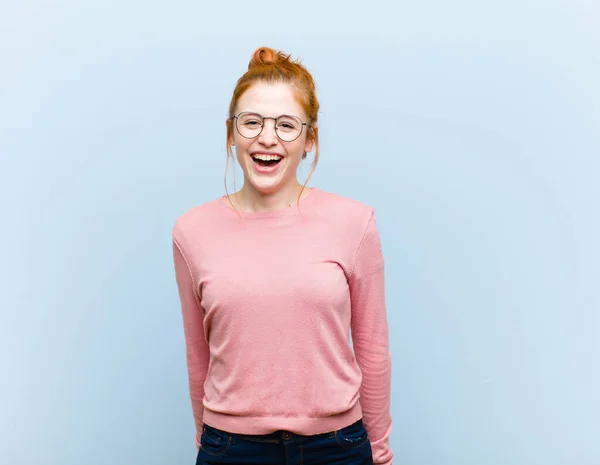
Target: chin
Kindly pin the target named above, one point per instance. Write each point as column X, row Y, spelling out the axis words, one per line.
column 264, row 188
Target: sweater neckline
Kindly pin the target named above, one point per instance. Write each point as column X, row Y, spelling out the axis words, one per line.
column 282, row 212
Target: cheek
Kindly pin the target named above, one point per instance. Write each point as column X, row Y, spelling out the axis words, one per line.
column 296, row 148
column 241, row 144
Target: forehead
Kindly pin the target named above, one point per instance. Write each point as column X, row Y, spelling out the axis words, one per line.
column 270, row 99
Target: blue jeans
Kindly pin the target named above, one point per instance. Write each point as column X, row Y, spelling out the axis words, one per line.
column 346, row 446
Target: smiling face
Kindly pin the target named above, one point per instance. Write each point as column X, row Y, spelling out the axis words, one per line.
column 270, row 100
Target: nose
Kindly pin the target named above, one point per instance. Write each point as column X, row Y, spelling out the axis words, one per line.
column 268, row 136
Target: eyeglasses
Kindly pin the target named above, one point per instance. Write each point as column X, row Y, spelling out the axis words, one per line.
column 287, row 127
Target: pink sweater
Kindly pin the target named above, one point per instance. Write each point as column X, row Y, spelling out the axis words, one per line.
column 268, row 304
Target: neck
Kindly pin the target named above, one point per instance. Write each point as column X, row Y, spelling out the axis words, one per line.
column 249, row 199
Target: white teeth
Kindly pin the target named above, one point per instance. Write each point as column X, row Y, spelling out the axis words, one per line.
column 264, row 157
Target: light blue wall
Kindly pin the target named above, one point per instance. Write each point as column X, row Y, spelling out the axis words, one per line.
column 473, row 129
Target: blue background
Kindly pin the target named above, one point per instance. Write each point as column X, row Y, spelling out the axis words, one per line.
column 473, row 129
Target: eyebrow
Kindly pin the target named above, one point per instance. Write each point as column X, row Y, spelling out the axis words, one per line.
column 260, row 114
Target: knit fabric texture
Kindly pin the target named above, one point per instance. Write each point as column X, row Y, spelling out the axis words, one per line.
column 284, row 317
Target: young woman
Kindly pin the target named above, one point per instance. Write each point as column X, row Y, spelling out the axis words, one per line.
column 272, row 279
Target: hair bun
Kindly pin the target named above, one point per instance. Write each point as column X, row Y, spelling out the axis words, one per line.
column 265, row 56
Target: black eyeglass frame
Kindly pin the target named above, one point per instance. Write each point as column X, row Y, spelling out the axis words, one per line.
column 235, row 117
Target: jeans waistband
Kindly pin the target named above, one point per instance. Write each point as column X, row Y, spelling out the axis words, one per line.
column 276, row 436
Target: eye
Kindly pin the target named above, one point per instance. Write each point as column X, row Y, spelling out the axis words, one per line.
column 251, row 123
column 287, row 124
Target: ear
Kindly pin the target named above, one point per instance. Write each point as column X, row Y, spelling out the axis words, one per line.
column 308, row 146
column 230, row 131
column 311, row 137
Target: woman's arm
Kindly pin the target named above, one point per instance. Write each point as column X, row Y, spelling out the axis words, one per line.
column 370, row 340
column 197, row 351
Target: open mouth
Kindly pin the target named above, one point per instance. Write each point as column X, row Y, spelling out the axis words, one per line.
column 269, row 160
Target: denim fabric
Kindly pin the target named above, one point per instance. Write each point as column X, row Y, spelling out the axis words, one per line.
column 347, row 446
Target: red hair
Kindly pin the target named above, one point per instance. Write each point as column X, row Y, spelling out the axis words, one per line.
column 272, row 66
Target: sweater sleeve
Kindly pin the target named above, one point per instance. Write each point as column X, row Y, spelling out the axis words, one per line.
column 197, row 351
column 370, row 341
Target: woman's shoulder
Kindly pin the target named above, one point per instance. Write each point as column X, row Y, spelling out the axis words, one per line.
column 198, row 216
column 343, row 206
